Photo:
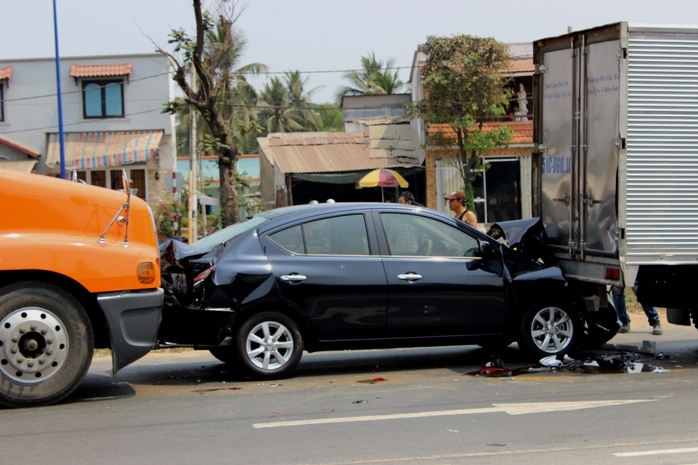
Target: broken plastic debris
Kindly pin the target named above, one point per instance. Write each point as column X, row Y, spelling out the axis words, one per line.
column 490, row 369
column 660, row 370
column 635, row 367
column 360, row 402
column 553, row 361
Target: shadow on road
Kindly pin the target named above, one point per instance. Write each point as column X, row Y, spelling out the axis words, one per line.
column 199, row 372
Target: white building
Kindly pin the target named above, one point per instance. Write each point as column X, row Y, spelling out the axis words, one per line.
column 112, row 119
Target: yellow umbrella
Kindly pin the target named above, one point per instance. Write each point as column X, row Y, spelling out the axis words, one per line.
column 382, row 177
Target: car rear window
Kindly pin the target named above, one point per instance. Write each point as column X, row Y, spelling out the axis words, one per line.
column 224, row 235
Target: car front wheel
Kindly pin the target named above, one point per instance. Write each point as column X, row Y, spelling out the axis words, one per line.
column 547, row 330
column 269, row 345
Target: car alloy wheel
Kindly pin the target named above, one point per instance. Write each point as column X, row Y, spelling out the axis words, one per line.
column 547, row 330
column 269, row 345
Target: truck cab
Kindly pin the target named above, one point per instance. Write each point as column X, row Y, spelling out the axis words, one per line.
column 79, row 270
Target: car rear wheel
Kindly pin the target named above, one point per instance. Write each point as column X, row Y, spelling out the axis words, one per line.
column 269, row 345
column 547, row 330
column 46, row 344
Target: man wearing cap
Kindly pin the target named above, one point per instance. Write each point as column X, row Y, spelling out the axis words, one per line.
column 406, row 198
column 456, row 202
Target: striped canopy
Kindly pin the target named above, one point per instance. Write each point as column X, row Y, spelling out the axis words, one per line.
column 88, row 150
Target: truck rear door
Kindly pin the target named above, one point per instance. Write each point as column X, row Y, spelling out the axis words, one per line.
column 577, row 135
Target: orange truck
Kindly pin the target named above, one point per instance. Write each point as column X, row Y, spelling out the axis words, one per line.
column 79, row 270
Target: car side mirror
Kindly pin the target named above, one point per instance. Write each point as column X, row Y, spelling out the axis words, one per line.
column 486, row 249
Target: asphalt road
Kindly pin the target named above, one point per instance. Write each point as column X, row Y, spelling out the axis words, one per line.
column 414, row 406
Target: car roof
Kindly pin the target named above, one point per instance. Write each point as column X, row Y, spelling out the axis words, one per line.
column 282, row 215
column 310, row 210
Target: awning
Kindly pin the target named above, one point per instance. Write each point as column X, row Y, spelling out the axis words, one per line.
column 89, row 150
column 25, row 166
column 351, row 177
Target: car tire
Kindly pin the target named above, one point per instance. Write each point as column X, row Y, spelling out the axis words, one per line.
column 269, row 345
column 547, row 329
column 46, row 344
column 601, row 327
column 226, row 355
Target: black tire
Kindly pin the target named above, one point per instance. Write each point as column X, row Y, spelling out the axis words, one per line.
column 268, row 345
column 548, row 329
column 46, row 344
column 600, row 328
column 226, row 355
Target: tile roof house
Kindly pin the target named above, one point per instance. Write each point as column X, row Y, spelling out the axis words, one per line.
column 112, row 120
column 503, row 191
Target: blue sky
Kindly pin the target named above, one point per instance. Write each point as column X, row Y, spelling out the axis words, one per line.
column 324, row 36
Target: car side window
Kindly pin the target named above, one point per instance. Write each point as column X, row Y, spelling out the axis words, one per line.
column 411, row 235
column 341, row 235
column 290, row 239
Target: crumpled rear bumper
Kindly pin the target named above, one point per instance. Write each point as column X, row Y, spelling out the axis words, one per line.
column 133, row 319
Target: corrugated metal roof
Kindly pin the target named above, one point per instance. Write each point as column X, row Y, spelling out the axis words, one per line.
column 523, row 130
column 100, row 70
column 391, row 141
column 5, row 73
column 321, row 152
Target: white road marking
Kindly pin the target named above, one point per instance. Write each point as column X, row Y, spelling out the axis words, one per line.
column 657, row 452
column 511, row 409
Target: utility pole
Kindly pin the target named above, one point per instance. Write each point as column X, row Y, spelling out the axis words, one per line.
column 203, row 192
column 191, row 211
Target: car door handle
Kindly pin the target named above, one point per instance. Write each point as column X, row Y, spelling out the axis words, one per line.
column 293, row 277
column 409, row 277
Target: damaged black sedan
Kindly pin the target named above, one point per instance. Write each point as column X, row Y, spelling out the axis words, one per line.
column 365, row 275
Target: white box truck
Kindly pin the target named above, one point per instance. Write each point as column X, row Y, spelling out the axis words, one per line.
column 616, row 159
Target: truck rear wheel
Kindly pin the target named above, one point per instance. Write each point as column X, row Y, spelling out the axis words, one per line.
column 46, row 344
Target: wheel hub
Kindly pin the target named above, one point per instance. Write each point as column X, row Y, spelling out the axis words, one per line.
column 33, row 345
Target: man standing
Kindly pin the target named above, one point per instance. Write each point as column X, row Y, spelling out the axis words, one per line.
column 456, row 202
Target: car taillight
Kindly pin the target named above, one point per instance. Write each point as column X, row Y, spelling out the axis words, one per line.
column 146, row 272
column 203, row 275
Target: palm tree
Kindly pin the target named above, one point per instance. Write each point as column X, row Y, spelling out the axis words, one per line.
column 284, row 106
column 375, row 78
column 300, row 101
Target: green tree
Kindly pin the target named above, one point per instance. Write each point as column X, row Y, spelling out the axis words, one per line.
column 285, row 106
column 375, row 78
column 214, row 53
column 331, row 116
column 464, row 86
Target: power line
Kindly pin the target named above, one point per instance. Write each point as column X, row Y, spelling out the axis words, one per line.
column 246, row 74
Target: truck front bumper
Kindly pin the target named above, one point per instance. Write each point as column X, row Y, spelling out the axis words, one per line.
column 133, row 319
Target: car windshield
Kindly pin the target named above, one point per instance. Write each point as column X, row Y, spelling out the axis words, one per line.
column 224, row 235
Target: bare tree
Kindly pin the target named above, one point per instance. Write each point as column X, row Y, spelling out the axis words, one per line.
column 212, row 70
